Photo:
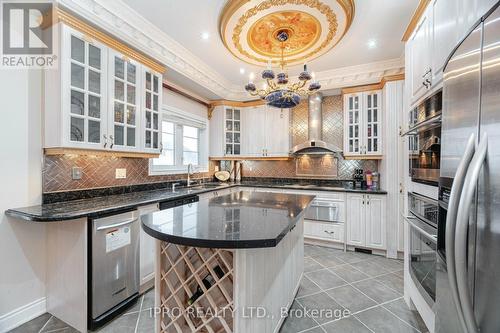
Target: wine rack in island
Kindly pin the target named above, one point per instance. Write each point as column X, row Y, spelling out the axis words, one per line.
column 214, row 290
column 196, row 289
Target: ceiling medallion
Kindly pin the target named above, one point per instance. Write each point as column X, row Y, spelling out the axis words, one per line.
column 281, row 93
column 248, row 28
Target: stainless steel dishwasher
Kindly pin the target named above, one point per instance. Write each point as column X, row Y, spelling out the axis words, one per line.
column 114, row 262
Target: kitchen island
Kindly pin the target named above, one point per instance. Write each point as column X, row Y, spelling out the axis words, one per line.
column 232, row 263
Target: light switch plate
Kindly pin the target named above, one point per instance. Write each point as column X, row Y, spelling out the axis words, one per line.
column 121, row 173
column 76, row 173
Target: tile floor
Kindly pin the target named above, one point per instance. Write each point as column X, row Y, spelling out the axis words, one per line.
column 369, row 287
column 137, row 319
column 366, row 289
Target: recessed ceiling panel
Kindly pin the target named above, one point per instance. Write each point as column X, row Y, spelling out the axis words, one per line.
column 251, row 29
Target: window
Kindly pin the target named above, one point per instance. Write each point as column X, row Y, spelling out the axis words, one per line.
column 190, row 145
column 167, row 156
column 184, row 139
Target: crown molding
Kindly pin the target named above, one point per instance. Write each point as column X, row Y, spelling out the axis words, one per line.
column 115, row 17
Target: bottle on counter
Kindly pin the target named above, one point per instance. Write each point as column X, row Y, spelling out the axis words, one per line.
column 369, row 179
column 376, row 180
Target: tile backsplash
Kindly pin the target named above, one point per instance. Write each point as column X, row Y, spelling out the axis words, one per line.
column 98, row 171
column 333, row 133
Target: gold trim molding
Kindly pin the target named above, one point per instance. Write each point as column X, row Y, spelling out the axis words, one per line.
column 234, row 104
column 375, row 86
column 78, row 151
column 233, row 5
column 94, row 33
column 422, row 5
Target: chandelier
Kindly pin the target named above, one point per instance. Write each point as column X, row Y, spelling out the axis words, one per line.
column 280, row 93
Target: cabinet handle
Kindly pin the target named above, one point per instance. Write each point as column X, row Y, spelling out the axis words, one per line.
column 329, row 232
column 105, row 140
column 363, row 199
column 112, row 141
column 161, row 147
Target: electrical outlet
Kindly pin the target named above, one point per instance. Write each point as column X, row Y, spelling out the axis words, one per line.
column 121, row 173
column 76, row 173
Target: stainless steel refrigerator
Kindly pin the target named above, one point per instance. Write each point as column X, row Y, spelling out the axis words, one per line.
column 468, row 269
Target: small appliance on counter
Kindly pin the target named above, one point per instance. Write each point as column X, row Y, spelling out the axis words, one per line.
column 359, row 178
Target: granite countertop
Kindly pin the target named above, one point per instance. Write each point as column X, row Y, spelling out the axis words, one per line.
column 242, row 219
column 308, row 186
column 94, row 207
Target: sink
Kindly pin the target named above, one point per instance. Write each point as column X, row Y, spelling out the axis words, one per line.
column 204, row 186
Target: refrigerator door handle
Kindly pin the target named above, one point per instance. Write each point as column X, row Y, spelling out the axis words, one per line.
column 468, row 192
column 451, row 218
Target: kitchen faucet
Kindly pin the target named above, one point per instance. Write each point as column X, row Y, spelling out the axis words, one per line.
column 190, row 171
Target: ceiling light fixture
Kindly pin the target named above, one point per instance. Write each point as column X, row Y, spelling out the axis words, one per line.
column 280, row 93
column 242, row 71
column 205, row 35
column 372, row 43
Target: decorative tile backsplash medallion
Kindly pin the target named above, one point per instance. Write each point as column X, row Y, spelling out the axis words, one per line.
column 314, row 166
column 333, row 133
column 99, row 171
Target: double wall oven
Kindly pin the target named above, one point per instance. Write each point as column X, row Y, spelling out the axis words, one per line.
column 425, row 140
column 423, row 221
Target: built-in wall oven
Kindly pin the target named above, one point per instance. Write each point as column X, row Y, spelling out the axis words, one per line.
column 425, row 140
column 423, row 221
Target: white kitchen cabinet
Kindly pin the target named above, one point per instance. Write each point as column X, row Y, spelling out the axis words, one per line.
column 100, row 100
column 442, row 26
column 333, row 232
column 444, row 34
column 151, row 101
column 125, row 101
column 75, row 94
column 226, row 131
column 254, row 131
column 355, row 219
column 375, row 221
column 257, row 131
column 363, row 119
column 147, row 249
column 365, row 221
column 277, row 132
column 420, row 44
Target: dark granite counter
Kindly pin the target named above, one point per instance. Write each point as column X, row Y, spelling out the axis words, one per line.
column 242, row 219
column 93, row 207
column 308, row 186
column 96, row 206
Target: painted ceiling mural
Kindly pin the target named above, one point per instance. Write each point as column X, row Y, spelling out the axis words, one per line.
column 249, row 28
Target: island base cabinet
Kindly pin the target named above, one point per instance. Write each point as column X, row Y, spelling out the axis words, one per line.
column 227, row 290
column 366, row 221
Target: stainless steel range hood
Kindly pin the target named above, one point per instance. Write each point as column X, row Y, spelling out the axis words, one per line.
column 315, row 143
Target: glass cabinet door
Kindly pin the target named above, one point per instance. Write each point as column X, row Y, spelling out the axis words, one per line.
column 152, row 90
column 232, row 126
column 373, row 123
column 124, row 97
column 353, row 124
column 86, row 91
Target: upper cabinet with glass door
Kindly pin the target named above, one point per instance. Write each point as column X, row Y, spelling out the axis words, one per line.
column 75, row 109
column 99, row 99
column 363, row 125
column 125, row 103
column 232, row 132
column 152, row 85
